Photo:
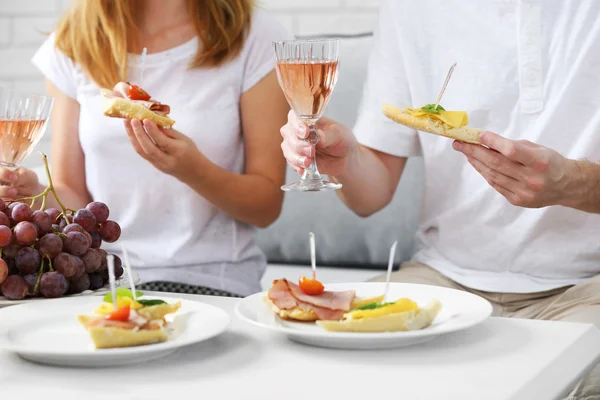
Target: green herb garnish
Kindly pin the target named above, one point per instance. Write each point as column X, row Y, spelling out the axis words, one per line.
column 432, row 109
column 371, row 306
column 147, row 303
column 122, row 292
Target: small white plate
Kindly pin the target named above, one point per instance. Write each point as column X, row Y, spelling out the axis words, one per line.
column 123, row 282
column 48, row 332
column 460, row 310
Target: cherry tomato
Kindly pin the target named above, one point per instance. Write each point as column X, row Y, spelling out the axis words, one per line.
column 121, row 314
column 137, row 93
column 311, row 286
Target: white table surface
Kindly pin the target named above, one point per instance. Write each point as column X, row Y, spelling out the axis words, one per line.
column 499, row 359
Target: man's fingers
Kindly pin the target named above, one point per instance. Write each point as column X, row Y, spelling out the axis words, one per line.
column 513, row 150
column 491, row 158
column 495, row 178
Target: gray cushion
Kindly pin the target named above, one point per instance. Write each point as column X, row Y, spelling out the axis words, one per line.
column 344, row 239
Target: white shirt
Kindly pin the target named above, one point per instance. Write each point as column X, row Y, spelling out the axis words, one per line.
column 527, row 69
column 170, row 231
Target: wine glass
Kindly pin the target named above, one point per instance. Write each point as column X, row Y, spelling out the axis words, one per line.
column 23, row 120
column 307, row 72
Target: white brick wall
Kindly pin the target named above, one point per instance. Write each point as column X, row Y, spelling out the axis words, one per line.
column 22, row 23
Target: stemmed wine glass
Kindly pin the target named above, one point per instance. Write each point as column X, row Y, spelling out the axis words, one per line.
column 307, row 72
column 23, row 120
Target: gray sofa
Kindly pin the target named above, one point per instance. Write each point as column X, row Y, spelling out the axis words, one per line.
column 344, row 239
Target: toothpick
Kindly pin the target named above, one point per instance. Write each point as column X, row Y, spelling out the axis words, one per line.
column 142, row 63
column 110, row 260
column 389, row 270
column 129, row 273
column 437, row 102
column 313, row 256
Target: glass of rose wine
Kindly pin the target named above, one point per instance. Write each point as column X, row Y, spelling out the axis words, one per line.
column 307, row 71
column 23, row 120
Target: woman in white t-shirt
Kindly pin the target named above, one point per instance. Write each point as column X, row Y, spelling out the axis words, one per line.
column 188, row 213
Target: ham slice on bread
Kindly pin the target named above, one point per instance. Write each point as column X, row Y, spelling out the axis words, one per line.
column 117, row 103
column 288, row 301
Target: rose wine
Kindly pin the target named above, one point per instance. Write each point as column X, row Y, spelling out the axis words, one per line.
column 307, row 85
column 17, row 138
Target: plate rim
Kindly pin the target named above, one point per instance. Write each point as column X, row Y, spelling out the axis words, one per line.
column 361, row 336
column 6, row 345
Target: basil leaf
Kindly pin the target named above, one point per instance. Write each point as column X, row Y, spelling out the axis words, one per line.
column 147, row 303
column 432, row 109
column 122, row 292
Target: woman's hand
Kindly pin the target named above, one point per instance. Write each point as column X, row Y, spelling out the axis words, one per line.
column 168, row 150
column 23, row 183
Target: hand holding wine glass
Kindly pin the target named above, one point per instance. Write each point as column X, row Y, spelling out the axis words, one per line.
column 307, row 74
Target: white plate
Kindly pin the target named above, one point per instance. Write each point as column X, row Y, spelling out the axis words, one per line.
column 48, row 332
column 123, row 281
column 460, row 310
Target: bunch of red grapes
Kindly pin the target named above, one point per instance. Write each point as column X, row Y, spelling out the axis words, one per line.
column 46, row 253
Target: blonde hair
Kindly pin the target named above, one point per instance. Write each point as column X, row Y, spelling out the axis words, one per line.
column 96, row 34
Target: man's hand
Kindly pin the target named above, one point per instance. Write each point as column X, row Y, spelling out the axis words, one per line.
column 525, row 173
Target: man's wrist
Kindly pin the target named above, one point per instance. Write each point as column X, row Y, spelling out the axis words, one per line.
column 582, row 188
column 351, row 165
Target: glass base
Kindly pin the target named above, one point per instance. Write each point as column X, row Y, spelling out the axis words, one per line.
column 311, row 186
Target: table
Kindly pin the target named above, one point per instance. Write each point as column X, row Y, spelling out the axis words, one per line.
column 498, row 360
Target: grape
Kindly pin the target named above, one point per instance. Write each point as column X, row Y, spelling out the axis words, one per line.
column 104, row 275
column 51, row 245
column 3, row 270
column 118, row 267
column 80, row 284
column 92, row 260
column 26, row 233
column 85, row 218
column 42, row 220
column 12, row 266
column 21, row 212
column 10, row 207
column 88, row 236
column 66, row 265
column 56, row 228
column 31, row 280
column 110, row 231
column 53, row 284
column 80, row 267
column 28, row 260
column 76, row 243
column 100, row 211
column 73, row 228
column 14, row 287
column 12, row 249
column 2, row 205
column 6, row 235
column 67, row 286
column 63, row 221
column 96, row 240
column 96, row 281
column 4, row 220
column 53, row 213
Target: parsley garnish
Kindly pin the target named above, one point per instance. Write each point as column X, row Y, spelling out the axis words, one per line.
column 148, row 303
column 371, row 306
column 431, row 109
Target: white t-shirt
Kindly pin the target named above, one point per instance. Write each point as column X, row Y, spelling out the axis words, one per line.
column 170, row 231
column 527, row 70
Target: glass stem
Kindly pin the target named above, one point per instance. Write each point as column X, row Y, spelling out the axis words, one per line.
column 311, row 173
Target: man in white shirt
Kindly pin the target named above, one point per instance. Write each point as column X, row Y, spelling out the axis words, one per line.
column 517, row 221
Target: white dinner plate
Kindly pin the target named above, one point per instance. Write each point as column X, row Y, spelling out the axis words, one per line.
column 123, row 281
column 460, row 310
column 48, row 332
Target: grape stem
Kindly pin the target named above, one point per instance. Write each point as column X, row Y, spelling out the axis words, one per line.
column 49, row 189
column 41, row 272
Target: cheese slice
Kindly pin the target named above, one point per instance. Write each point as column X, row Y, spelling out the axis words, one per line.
column 455, row 119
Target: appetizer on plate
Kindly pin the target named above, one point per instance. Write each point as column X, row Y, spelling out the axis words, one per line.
column 130, row 101
column 308, row 301
column 133, row 323
column 436, row 120
column 401, row 315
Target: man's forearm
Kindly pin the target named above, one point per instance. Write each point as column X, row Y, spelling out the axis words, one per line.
column 582, row 191
column 368, row 184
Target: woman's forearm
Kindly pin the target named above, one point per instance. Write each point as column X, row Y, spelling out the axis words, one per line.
column 68, row 197
column 248, row 198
